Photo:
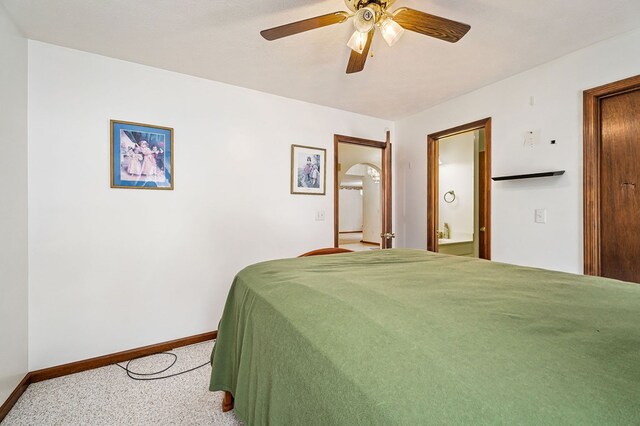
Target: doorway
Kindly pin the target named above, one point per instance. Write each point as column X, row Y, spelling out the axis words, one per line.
column 612, row 180
column 459, row 190
column 362, row 193
column 360, row 196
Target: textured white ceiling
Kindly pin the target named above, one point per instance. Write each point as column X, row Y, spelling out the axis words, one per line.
column 220, row 40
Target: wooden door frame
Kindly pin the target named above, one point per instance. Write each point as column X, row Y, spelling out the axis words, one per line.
column 386, row 182
column 591, row 163
column 432, row 181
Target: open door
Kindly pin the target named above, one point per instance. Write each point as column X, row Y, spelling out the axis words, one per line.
column 467, row 237
column 387, row 234
column 345, row 146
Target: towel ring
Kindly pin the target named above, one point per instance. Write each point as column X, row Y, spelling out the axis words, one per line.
column 449, row 197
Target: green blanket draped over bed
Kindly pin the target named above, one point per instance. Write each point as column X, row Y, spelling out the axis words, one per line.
column 411, row 337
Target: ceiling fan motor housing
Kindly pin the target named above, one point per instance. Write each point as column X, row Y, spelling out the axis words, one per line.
column 355, row 5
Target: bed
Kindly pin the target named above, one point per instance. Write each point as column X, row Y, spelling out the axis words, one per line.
column 412, row 337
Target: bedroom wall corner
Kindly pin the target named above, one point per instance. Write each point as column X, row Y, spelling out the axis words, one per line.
column 547, row 100
column 13, row 207
column 114, row 269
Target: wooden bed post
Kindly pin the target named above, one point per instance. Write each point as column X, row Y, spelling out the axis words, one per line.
column 227, row 402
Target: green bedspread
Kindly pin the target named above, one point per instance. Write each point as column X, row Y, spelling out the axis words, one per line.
column 411, row 337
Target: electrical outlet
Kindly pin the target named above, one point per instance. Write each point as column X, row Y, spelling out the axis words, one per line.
column 529, row 139
column 320, row 215
column 541, row 215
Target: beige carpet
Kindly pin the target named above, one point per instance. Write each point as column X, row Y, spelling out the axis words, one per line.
column 106, row 396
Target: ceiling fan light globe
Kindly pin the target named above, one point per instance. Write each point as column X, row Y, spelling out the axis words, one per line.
column 357, row 41
column 364, row 19
column 391, row 31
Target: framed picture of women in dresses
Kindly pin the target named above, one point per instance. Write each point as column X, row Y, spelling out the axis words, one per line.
column 308, row 170
column 141, row 156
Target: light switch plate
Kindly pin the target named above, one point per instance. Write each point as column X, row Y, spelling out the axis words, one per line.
column 320, row 215
column 541, row 215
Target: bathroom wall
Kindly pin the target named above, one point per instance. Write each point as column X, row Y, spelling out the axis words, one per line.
column 456, row 173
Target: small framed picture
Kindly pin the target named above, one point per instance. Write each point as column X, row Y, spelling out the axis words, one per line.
column 308, row 170
column 141, row 156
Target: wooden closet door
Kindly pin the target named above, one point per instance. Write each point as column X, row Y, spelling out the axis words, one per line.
column 620, row 186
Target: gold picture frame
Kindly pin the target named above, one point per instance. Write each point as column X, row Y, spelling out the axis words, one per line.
column 308, row 170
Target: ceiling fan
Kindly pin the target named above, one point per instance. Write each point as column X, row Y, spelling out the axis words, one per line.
column 369, row 14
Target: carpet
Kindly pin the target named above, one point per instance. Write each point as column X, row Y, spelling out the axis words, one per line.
column 106, row 396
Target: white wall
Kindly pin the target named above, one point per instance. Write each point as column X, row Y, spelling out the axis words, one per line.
column 557, row 114
column 114, row 269
column 13, row 207
column 350, row 210
column 371, row 216
column 456, row 173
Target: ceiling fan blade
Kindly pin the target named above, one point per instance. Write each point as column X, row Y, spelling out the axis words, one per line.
column 430, row 25
column 306, row 25
column 357, row 60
